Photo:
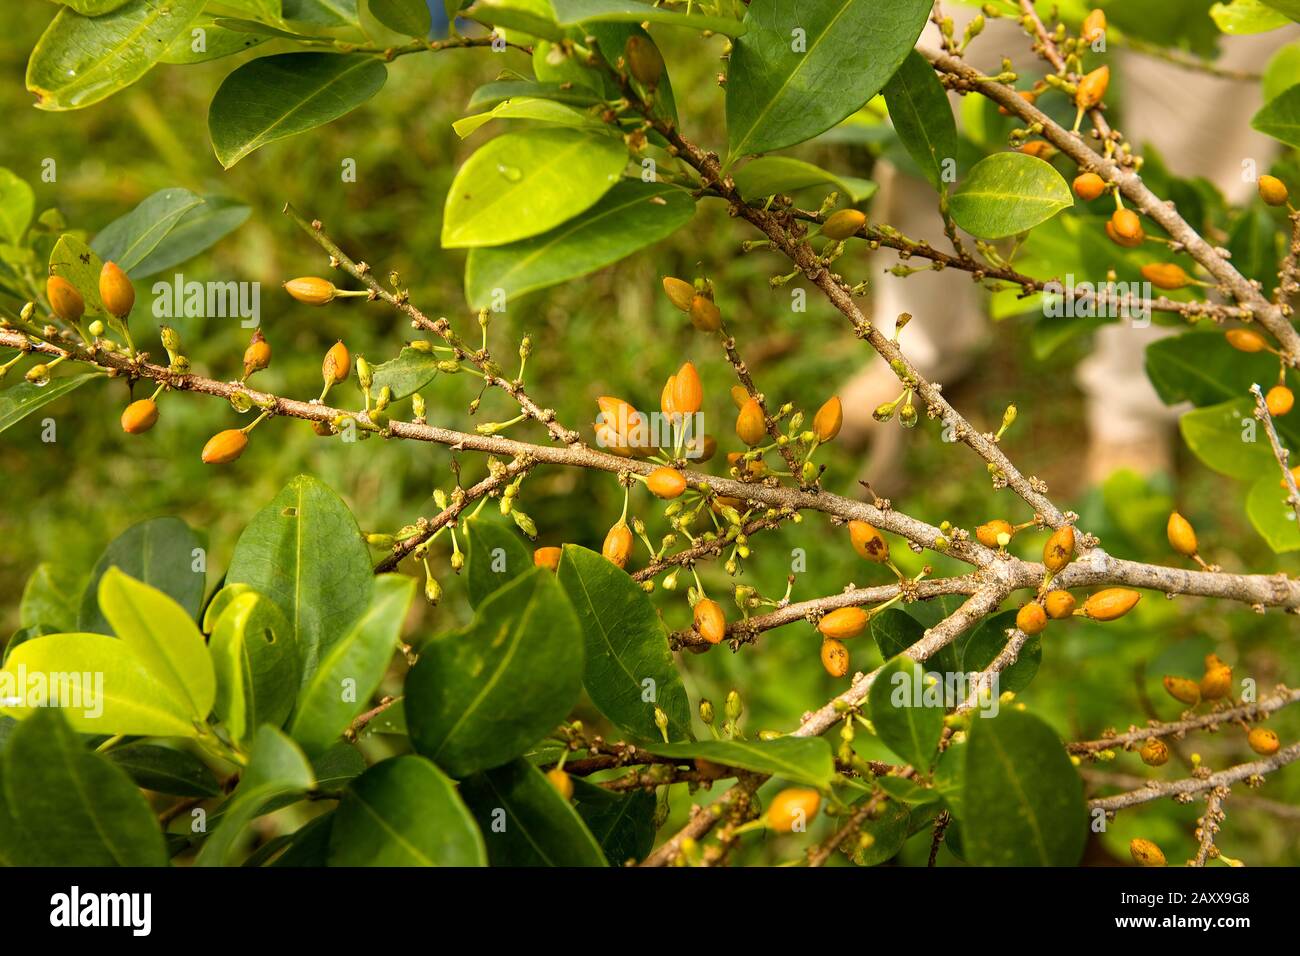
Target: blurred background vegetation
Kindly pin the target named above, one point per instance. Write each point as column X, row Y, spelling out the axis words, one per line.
column 611, row 333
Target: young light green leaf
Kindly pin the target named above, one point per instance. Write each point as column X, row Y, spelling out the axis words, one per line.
column 922, row 117
column 255, row 656
column 81, row 60
column 75, row 261
column 1022, row 800
column 74, row 807
column 19, row 401
column 163, row 635
column 17, row 206
column 353, row 667
column 411, row 371
column 541, row 828
column 482, row 695
column 1240, row 17
column 129, row 239
column 629, row 217
column 1008, row 193
column 1223, row 437
column 629, row 669
column 51, row 598
column 497, row 555
column 1271, row 514
column 289, row 93
column 305, row 552
column 907, row 721
column 404, row 812
column 769, row 175
column 804, row 760
column 277, row 770
column 801, row 67
column 161, row 552
column 531, row 108
column 408, row 17
column 522, row 184
column 208, row 40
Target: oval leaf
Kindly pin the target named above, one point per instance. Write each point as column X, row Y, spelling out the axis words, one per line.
column 496, row 557
column 922, row 116
column 409, row 17
column 797, row 759
column 160, row 553
column 255, row 657
column 129, row 239
column 1008, row 193
column 908, row 721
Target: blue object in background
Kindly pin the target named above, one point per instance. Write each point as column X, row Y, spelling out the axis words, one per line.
column 438, row 11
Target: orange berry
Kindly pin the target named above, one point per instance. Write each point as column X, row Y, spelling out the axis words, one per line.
column 1272, row 190
column 679, row 292
column 835, row 657
column 988, row 534
column 1059, row 605
column 1039, row 149
column 225, row 447
column 258, row 354
column 561, row 782
column 1145, row 853
column 710, row 621
column 666, row 397
column 1119, row 240
column 1110, row 603
column 1088, row 186
column 688, row 392
column 792, row 809
column 1094, row 26
column 1246, row 340
column 1059, row 550
column 139, row 416
column 1165, row 275
column 1154, row 752
column 337, row 364
column 1127, row 224
column 755, row 468
column 1181, row 534
column 701, row 448
column 1183, row 690
column 1031, row 618
column 868, row 542
column 547, row 557
column 666, row 482
column 1279, row 400
column 829, row 419
column 618, row 544
column 1092, row 88
column 843, row 224
column 844, row 623
column 116, row 291
column 1263, row 741
column 311, row 290
column 65, row 300
column 1217, row 683
column 705, row 315
column 750, row 425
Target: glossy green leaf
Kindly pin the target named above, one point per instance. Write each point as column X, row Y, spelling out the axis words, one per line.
column 408, row 17
column 19, row 401
column 1228, row 439
column 1272, row 516
column 255, row 656
column 629, row 217
column 308, row 846
column 987, row 640
column 522, row 184
column 572, row 12
column 17, row 206
column 289, row 93
column 129, row 239
column 525, row 821
column 104, row 687
column 531, row 108
column 212, row 43
column 1255, row 244
column 81, row 60
column 75, row 261
column 490, row 94
column 51, row 598
column 305, row 552
column 91, row 8
column 352, row 668
column 629, row 667
column 75, row 807
column 1243, row 17
column 411, row 371
column 326, row 13
column 907, row 791
column 534, row 17
column 1202, row 368
column 497, row 555
column 276, row 770
column 804, row 760
column 199, row 229
column 919, row 109
column 769, row 175
column 404, row 812
column 1280, row 117
column 1022, row 798
column 480, row 696
column 888, row 833
column 1283, row 71
column 163, row 553
column 785, row 87
column 622, row 823
column 1008, row 193
column 166, row 770
column 906, row 717
column 163, row 635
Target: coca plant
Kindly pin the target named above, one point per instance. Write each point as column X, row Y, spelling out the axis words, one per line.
column 184, row 701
